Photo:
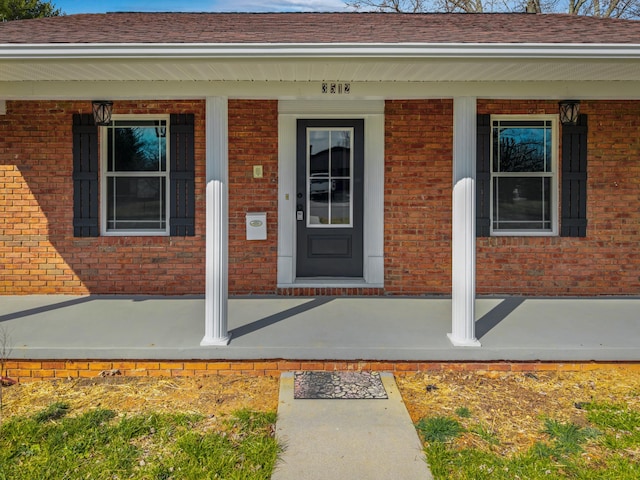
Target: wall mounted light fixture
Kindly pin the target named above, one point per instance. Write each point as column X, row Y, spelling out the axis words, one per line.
column 569, row 111
column 102, row 112
column 161, row 129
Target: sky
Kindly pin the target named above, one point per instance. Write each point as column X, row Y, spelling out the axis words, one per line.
column 101, row 6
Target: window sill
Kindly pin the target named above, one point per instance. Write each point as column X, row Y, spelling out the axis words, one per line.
column 134, row 234
column 524, row 234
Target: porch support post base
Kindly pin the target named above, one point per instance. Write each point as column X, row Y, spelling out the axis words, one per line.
column 215, row 342
column 463, row 342
column 463, row 289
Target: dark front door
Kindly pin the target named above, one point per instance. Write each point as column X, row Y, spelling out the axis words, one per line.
column 329, row 198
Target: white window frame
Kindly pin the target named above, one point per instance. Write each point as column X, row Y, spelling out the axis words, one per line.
column 105, row 175
column 554, row 175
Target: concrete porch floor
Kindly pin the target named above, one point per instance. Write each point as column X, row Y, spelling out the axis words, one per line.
column 321, row 328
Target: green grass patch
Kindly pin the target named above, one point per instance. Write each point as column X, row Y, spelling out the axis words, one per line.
column 463, row 412
column 619, row 424
column 52, row 412
column 612, row 436
column 100, row 444
column 439, row 429
column 567, row 437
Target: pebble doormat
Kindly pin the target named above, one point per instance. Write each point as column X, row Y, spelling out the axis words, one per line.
column 338, row 385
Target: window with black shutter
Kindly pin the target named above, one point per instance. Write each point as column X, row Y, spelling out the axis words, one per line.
column 147, row 176
column 517, row 175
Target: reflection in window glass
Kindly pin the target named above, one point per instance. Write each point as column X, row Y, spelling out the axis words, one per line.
column 137, row 147
column 522, row 175
column 340, row 203
column 329, row 176
column 522, row 203
column 522, row 147
column 319, row 141
column 136, row 176
column 136, row 203
column 341, row 153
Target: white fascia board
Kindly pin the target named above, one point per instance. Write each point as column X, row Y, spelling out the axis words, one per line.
column 334, row 50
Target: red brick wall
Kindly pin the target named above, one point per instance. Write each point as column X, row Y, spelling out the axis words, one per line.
column 27, row 371
column 253, row 140
column 607, row 260
column 417, row 204
column 38, row 253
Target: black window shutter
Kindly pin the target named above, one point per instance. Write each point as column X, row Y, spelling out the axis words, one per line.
column 182, row 176
column 85, row 176
column 483, row 176
column 574, row 179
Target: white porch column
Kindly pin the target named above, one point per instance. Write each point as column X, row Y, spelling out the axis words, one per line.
column 464, row 224
column 217, row 221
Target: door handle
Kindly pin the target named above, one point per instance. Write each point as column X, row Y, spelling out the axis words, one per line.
column 299, row 212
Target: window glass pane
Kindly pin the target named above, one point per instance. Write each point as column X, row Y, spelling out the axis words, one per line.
column 137, row 148
column 319, row 152
column 341, row 202
column 522, row 203
column 521, row 148
column 341, row 153
column 136, row 203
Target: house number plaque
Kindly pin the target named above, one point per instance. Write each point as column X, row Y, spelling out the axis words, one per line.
column 335, row 88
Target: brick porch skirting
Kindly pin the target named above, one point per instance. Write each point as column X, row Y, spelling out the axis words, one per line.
column 33, row 370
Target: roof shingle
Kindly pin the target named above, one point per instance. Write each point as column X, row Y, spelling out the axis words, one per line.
column 319, row 28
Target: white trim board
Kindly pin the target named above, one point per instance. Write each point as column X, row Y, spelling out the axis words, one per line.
column 373, row 114
column 287, row 90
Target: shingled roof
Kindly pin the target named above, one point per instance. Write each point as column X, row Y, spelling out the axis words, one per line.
column 319, row 28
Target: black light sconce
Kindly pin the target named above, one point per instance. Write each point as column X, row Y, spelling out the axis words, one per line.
column 569, row 111
column 102, row 112
column 161, row 130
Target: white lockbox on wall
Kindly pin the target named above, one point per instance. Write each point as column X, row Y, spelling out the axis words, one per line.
column 256, row 225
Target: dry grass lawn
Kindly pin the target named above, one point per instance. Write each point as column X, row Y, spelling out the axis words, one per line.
column 510, row 405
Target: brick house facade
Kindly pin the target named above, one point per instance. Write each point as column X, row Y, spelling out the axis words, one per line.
column 41, row 255
column 429, row 108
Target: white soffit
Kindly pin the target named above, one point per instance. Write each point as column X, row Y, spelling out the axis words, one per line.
column 361, row 63
column 417, row 70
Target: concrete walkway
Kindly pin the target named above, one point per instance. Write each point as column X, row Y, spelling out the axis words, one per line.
column 347, row 439
column 332, row 328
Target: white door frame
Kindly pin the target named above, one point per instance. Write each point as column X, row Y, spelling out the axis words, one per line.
column 372, row 111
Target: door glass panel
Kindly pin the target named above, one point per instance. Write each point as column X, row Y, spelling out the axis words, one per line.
column 329, row 177
column 319, row 213
column 340, row 202
column 318, row 149
column 341, row 153
column 319, row 200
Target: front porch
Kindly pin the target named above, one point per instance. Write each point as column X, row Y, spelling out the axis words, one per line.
column 412, row 329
